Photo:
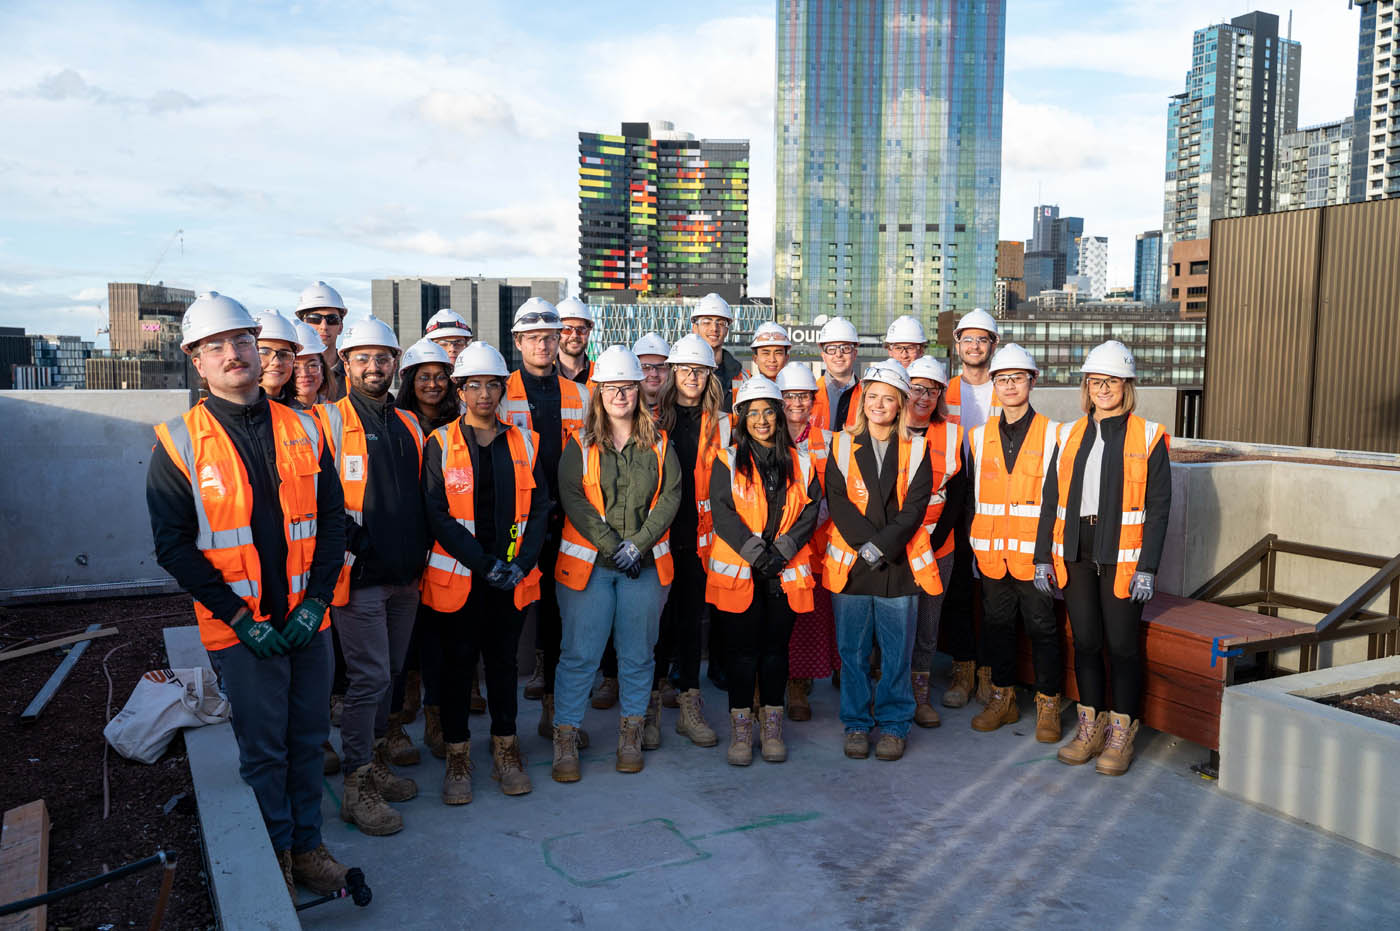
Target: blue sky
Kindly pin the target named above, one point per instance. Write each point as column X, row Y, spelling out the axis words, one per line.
column 352, row 140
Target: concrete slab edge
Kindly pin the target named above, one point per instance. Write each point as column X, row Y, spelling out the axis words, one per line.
column 16, row 596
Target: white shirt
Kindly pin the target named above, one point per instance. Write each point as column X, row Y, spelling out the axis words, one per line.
column 1089, row 482
column 976, row 401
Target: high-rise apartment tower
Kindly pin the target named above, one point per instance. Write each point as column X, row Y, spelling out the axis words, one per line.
column 1375, row 165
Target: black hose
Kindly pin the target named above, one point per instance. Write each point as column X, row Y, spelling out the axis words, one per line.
column 355, row 889
column 92, row 882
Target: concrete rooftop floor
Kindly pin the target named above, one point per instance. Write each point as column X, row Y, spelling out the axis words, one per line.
column 969, row 829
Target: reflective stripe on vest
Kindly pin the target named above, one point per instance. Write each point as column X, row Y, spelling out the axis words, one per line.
column 998, row 543
column 573, row 405
column 953, row 399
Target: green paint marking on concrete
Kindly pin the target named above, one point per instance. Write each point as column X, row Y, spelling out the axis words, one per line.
column 1035, row 759
column 767, row 822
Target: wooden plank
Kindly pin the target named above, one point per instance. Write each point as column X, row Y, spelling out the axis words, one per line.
column 24, row 864
column 89, row 634
column 51, row 687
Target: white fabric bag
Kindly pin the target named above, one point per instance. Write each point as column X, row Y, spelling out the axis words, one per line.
column 164, row 701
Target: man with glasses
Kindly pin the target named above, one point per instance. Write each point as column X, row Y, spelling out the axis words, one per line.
column 651, row 350
column 450, row 331
column 575, row 326
column 321, row 308
column 838, row 393
column 712, row 319
column 905, row 340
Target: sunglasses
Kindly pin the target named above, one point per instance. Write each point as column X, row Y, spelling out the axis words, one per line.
column 539, row 316
column 577, row 330
column 318, row 319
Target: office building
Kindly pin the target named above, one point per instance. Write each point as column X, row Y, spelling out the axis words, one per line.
column 1092, row 255
column 1224, row 128
column 1188, row 281
column 15, row 350
column 64, row 357
column 1375, row 156
column 145, row 318
column 129, row 373
column 888, row 121
column 662, row 214
column 1040, row 272
column 1011, row 273
column 1147, row 267
column 1168, row 349
column 1314, row 167
column 626, row 323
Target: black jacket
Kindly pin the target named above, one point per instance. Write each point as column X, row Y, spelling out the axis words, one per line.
column 730, row 528
column 685, row 439
column 174, row 524
column 729, row 369
column 392, row 546
column 542, row 393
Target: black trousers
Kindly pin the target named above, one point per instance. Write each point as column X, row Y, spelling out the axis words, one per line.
column 1002, row 600
column 549, row 625
column 679, row 637
column 1097, row 615
column 424, row 657
column 757, row 643
column 340, row 681
column 955, row 628
column 487, row 627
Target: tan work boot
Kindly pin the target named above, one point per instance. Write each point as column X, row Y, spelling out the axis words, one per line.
column 412, row 695
column 318, row 871
column 534, row 686
column 508, row 766
column 770, row 734
column 605, row 695
column 670, row 698
column 1088, row 738
column 478, row 705
column 1002, row 709
column 432, row 731
column 546, row 726
column 284, row 860
column 402, row 752
column 799, row 706
column 857, row 745
column 691, row 721
column 629, row 744
column 1047, row 718
column 365, row 808
column 740, row 737
column 1117, row 753
column 457, row 776
column 924, row 714
column 393, row 787
column 889, row 748
column 566, row 768
column 337, row 709
column 330, row 762
column 985, row 688
column 651, row 728
column 962, row 684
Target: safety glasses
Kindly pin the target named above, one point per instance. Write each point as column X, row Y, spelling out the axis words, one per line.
column 318, row 319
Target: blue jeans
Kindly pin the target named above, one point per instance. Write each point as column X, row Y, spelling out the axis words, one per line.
column 892, row 622
column 610, row 604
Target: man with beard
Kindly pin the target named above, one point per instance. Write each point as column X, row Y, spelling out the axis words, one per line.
column 576, row 325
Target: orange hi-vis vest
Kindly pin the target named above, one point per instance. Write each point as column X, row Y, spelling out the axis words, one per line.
column 728, row 578
column 818, row 446
column 577, row 554
column 1007, row 505
column 704, row 461
column 1140, row 438
column 945, row 455
column 821, row 406
column 953, row 398
column 346, row 436
column 446, row 582
column 573, row 405
column 840, row 555
column 223, row 504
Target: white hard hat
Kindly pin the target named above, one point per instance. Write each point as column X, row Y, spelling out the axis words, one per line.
column 571, row 308
column 654, row 344
column 905, row 329
column 1010, row 358
column 213, row 313
column 977, row 319
column 837, row 330
column 480, row 359
column 797, row 376
column 536, row 314
column 369, row 331
column 889, row 372
column 425, row 350
column 276, row 326
column 757, row 387
column 310, row 340
column 712, row 305
column 320, row 294
column 445, row 323
column 691, row 349
column 770, row 334
column 929, row 367
column 616, row 363
column 1110, row 358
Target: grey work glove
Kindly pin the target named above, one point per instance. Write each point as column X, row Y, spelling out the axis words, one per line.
column 626, row 556
column 1045, row 578
column 872, row 555
column 786, row 547
column 1143, row 586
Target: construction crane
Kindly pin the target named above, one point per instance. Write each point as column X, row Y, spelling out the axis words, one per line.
column 178, row 234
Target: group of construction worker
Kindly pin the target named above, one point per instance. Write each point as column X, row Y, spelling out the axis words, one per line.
column 360, row 553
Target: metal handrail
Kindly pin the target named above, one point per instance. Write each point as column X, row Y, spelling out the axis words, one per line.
column 1232, row 573
column 1351, row 606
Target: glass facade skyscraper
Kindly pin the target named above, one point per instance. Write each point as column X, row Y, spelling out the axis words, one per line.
column 1147, row 267
column 889, row 157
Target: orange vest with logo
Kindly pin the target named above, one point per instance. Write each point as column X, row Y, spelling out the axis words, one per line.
column 821, row 406
column 1006, row 511
column 953, row 398
column 573, row 404
column 729, row 579
column 840, row 555
column 704, row 460
column 223, row 504
column 945, row 455
column 1139, row 439
column 446, row 582
column 577, row 554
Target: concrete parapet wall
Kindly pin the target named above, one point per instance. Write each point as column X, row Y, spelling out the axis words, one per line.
column 1157, row 404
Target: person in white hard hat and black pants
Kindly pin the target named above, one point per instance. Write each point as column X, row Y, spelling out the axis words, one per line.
column 837, row 401
column 449, row 330
column 576, row 326
column 712, row 319
column 321, row 308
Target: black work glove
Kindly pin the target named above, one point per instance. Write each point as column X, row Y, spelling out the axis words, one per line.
column 509, row 579
column 258, row 636
column 499, row 570
column 303, row 623
column 770, row 564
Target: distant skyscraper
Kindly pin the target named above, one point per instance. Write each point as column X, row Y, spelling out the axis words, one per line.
column 487, row 304
column 1051, row 232
column 889, row 157
column 1375, row 165
column 1092, row 252
column 1040, row 271
column 1314, row 167
column 1147, row 267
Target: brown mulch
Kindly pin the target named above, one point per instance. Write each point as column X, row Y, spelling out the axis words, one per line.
column 1212, row 455
column 59, row 758
column 1381, row 703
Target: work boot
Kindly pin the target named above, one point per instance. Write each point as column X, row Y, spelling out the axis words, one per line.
column 566, row 768
column 1117, row 753
column 284, row 860
column 1047, row 718
column 985, row 688
column 740, row 737
column 889, row 748
column 318, row 871
column 1088, row 738
column 457, row 777
column 770, row 734
column 534, row 686
column 365, row 808
column 691, row 721
column 924, row 715
column 478, row 705
column 857, row 745
column 412, row 695
column 670, row 698
column 799, row 708
column 546, row 726
column 629, row 744
column 651, row 729
column 432, row 731
column 331, row 763
column 508, row 765
column 605, row 695
column 1002, row 709
column 337, row 709
column 961, row 685
column 392, row 787
column 402, row 752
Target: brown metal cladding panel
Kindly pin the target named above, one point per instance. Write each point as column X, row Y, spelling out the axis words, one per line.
column 1356, row 399
column 1259, row 330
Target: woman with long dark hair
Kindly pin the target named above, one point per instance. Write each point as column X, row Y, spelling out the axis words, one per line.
column 277, row 349
column 308, row 384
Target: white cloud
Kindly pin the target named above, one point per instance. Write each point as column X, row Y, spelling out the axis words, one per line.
column 91, row 294
column 470, row 113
